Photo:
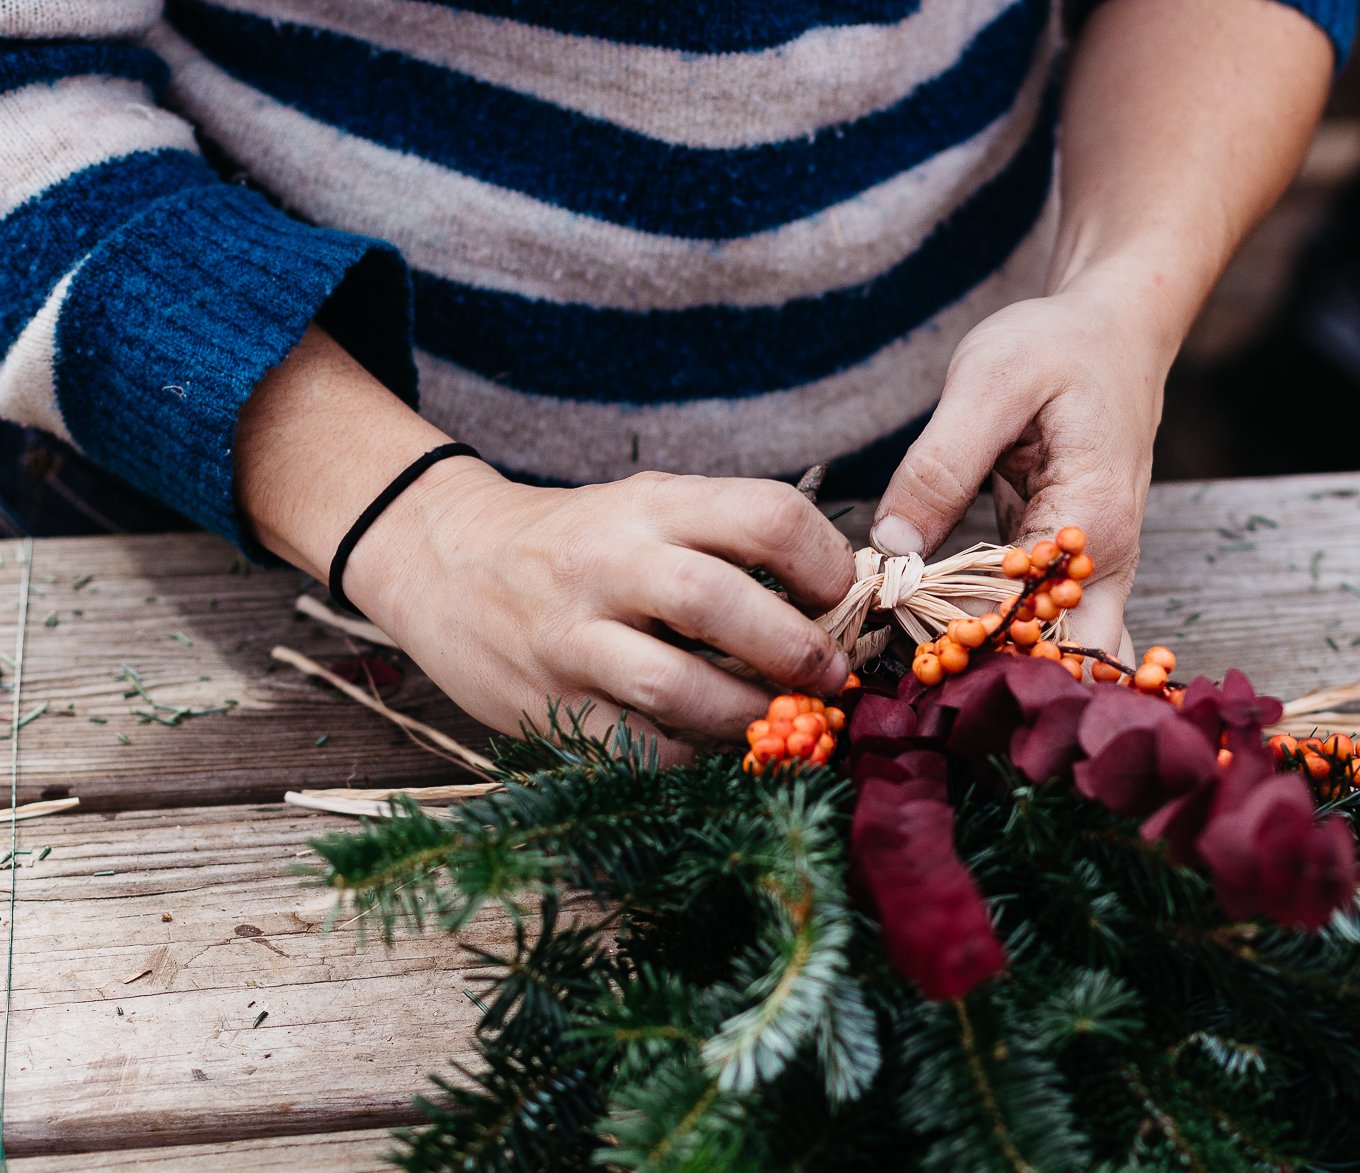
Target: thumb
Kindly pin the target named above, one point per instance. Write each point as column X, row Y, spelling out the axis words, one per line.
column 1112, row 528
column 939, row 477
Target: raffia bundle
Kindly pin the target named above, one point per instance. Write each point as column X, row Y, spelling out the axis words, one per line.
column 1322, row 712
column 904, row 594
column 921, row 597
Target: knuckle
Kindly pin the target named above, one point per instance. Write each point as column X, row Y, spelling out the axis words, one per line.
column 932, row 479
column 691, row 593
column 809, row 650
column 656, row 687
column 784, row 515
column 649, row 489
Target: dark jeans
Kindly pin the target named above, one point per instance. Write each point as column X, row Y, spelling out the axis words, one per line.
column 47, row 489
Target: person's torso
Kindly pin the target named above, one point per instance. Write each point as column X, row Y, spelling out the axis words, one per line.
column 716, row 237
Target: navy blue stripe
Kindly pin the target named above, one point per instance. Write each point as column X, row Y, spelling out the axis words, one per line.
column 25, row 62
column 43, row 238
column 698, row 26
column 861, row 474
column 865, row 474
column 600, row 169
column 608, row 355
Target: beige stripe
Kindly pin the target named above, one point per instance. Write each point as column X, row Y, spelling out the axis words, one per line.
column 28, row 391
column 767, row 435
column 466, row 230
column 77, row 18
column 52, row 131
column 824, row 77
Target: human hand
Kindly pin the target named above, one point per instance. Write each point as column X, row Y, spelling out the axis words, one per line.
column 509, row 596
column 1059, row 399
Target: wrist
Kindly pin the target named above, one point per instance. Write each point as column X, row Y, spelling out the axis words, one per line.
column 385, row 576
column 1134, row 297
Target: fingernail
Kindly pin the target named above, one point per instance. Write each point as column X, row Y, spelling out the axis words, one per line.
column 895, row 535
column 832, row 679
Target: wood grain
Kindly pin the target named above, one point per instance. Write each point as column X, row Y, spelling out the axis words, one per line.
column 335, row 1152
column 1263, row 575
column 149, row 595
column 135, row 994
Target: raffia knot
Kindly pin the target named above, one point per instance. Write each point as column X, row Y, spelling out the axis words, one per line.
column 920, row 597
column 904, row 593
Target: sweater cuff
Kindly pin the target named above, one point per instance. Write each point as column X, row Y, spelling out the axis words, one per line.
column 172, row 321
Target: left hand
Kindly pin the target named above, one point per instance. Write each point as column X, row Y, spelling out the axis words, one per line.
column 1059, row 397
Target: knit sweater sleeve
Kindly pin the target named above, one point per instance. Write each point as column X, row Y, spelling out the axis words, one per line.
column 142, row 298
column 1336, row 18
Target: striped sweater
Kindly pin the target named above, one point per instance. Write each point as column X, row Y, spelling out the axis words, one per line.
column 718, row 236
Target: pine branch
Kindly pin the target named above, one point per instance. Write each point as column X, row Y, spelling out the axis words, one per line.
column 992, row 1099
column 677, row 1120
column 521, row 1111
column 1095, row 1004
column 722, row 1004
column 643, row 1018
column 801, row 986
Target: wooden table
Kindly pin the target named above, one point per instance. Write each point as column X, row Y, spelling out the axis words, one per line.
column 176, row 1003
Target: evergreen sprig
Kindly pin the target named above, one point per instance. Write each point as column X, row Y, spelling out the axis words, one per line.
column 716, row 998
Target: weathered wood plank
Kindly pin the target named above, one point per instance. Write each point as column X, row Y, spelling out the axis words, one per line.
column 1263, row 575
column 169, row 607
column 136, row 994
column 1217, row 581
column 335, row 1152
column 350, row 1034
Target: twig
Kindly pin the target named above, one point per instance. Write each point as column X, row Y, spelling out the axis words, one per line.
column 810, row 483
column 360, row 628
column 1322, row 712
column 424, row 793
column 33, row 810
column 359, row 808
column 1106, row 658
column 474, row 761
column 413, row 737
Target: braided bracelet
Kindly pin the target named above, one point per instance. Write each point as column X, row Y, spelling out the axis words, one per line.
column 400, row 483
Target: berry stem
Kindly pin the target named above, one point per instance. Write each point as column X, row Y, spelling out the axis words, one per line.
column 1106, row 658
column 1031, row 585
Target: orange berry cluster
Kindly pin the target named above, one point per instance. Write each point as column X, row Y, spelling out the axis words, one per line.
column 1330, row 765
column 1052, row 574
column 1152, row 676
column 796, row 726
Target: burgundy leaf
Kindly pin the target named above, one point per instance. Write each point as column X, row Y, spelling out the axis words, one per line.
column 882, row 716
column 936, row 930
column 1114, row 710
column 1048, row 747
column 1270, row 855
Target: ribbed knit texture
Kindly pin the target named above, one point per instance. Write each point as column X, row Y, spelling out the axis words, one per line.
column 210, row 326
column 718, row 236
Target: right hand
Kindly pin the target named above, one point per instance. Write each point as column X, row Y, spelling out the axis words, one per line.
column 509, row 596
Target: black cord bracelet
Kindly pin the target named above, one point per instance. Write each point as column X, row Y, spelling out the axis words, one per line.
column 400, row 483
